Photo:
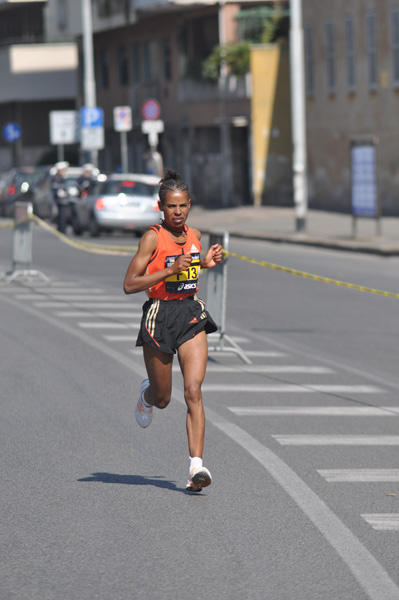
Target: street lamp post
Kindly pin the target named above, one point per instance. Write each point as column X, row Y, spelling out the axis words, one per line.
column 298, row 111
column 88, row 59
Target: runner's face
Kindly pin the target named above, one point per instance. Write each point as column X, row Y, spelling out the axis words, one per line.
column 175, row 209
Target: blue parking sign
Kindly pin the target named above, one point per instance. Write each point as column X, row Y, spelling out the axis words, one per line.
column 11, row 132
column 91, row 116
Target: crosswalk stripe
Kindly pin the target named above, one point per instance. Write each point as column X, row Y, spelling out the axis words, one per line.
column 257, row 353
column 292, row 388
column 92, row 298
column 364, row 475
column 316, row 411
column 95, row 305
column 383, row 521
column 29, row 296
column 102, row 325
column 213, row 337
column 267, row 369
column 337, row 440
column 109, row 315
column 121, row 338
column 46, row 304
column 72, row 291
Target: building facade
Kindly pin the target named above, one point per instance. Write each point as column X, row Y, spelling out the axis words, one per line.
column 352, row 87
column 36, row 78
column 154, row 49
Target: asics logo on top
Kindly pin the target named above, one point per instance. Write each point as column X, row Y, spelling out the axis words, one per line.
column 187, row 286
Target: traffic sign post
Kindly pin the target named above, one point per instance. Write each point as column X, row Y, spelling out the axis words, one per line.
column 152, row 128
column 92, row 128
column 63, row 129
column 151, row 110
column 123, row 124
column 11, row 132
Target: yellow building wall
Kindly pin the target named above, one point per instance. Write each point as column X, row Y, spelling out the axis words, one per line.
column 271, row 125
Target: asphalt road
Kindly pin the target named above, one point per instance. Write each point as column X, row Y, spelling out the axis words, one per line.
column 302, row 443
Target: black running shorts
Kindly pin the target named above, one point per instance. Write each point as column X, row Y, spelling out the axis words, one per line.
column 167, row 324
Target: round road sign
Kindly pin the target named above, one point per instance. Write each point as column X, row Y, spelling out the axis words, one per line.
column 11, row 132
column 151, row 111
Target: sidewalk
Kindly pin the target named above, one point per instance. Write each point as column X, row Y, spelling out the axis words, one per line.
column 323, row 229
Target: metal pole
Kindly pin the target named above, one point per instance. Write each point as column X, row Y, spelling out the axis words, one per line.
column 124, row 151
column 298, row 111
column 89, row 80
column 224, row 140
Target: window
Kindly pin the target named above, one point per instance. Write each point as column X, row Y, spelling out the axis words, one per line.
column 150, row 60
column 62, row 16
column 395, row 45
column 123, row 66
column 104, row 79
column 350, row 54
column 136, row 63
column 167, row 60
column 146, row 61
column 371, row 50
column 330, row 57
column 309, row 60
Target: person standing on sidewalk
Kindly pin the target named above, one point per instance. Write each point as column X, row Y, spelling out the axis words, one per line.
column 167, row 266
column 60, row 194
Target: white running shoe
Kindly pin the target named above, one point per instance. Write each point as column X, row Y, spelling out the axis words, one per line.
column 199, row 478
column 142, row 413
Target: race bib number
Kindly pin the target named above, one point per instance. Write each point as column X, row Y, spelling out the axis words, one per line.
column 186, row 281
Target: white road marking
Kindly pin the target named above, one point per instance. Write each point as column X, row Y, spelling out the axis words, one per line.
column 353, row 475
column 316, row 411
column 213, row 337
column 286, row 388
column 102, row 325
column 383, row 521
column 89, row 297
column 94, row 304
column 121, row 338
column 109, row 315
column 337, row 440
column 256, row 353
column 51, row 304
column 29, row 296
column 267, row 369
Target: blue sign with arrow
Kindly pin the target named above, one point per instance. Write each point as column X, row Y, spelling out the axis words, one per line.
column 11, row 132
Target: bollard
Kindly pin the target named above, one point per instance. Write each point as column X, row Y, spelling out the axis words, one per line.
column 22, row 245
column 22, row 236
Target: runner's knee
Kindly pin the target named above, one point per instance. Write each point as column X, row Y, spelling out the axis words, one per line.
column 160, row 399
column 192, row 393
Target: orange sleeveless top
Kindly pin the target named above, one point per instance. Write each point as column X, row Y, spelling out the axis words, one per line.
column 182, row 284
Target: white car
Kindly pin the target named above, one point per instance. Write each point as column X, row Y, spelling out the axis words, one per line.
column 123, row 202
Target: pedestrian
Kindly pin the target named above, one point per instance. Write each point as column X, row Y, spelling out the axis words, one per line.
column 85, row 181
column 167, row 266
column 60, row 194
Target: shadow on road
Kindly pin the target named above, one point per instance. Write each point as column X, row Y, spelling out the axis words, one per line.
column 156, row 481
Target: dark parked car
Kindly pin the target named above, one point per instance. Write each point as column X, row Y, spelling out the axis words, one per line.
column 17, row 185
column 123, row 202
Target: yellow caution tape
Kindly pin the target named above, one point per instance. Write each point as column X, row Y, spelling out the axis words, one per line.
column 352, row 286
column 87, row 246
column 127, row 250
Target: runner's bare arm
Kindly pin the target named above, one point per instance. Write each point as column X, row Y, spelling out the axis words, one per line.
column 136, row 279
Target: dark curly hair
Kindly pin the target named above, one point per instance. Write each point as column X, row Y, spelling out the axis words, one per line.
column 171, row 181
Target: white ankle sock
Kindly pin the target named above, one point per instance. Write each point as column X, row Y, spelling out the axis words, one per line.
column 195, row 462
